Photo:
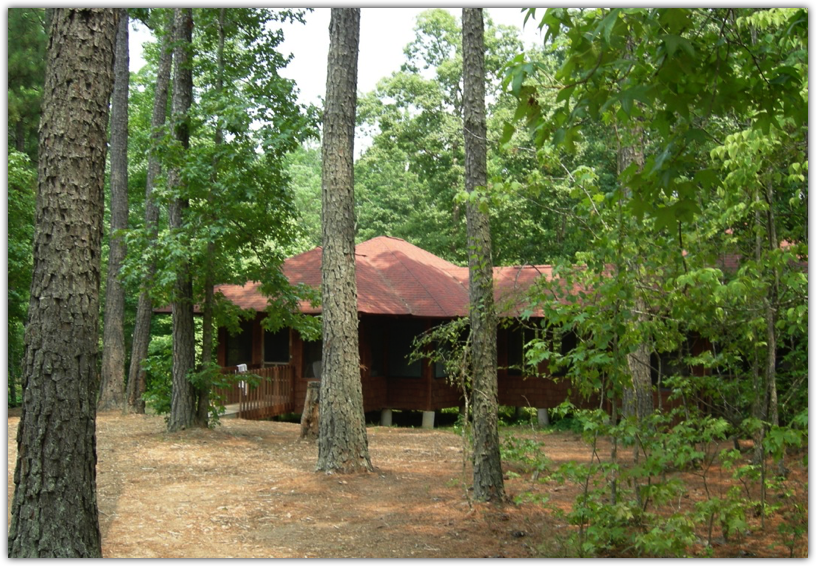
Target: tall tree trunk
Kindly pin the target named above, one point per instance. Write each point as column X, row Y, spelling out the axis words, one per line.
column 771, row 307
column 638, row 400
column 343, row 442
column 112, row 387
column 487, row 472
column 183, row 413
column 144, row 311
column 54, row 510
column 760, row 404
column 208, row 330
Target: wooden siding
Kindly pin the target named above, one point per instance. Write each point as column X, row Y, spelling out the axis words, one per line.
column 423, row 393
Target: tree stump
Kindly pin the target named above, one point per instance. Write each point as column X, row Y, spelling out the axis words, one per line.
column 310, row 419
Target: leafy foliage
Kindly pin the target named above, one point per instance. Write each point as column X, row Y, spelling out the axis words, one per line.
column 27, row 40
column 686, row 67
column 240, row 225
column 409, row 181
column 22, row 180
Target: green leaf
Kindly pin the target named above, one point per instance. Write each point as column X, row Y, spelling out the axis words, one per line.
column 707, row 178
column 507, row 133
column 607, row 24
column 565, row 93
column 673, row 42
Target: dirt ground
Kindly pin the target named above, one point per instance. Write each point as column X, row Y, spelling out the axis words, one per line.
column 247, row 489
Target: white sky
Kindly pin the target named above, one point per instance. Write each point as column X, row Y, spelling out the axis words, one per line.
column 384, row 32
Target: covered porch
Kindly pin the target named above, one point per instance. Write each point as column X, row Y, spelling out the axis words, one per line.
column 264, row 392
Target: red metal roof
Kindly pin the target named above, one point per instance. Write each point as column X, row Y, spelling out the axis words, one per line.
column 396, row 278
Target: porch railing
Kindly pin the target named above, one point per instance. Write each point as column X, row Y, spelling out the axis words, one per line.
column 272, row 396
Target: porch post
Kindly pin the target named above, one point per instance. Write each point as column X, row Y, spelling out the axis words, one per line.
column 385, row 417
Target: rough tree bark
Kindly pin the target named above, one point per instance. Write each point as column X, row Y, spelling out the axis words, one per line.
column 487, row 474
column 343, row 442
column 183, row 412
column 112, row 386
column 54, row 510
column 638, row 400
column 144, row 310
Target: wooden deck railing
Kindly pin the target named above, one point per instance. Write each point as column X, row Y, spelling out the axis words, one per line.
column 272, row 396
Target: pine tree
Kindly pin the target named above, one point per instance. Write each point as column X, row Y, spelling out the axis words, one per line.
column 342, row 442
column 112, row 381
column 487, row 473
column 54, row 511
column 183, row 404
column 144, row 311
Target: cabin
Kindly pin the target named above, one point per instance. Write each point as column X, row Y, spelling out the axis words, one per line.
column 402, row 291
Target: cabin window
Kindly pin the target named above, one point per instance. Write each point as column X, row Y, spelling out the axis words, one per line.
column 444, row 349
column 400, row 345
column 517, row 339
column 564, row 345
column 377, row 344
column 239, row 346
column 312, row 359
column 440, row 370
column 276, row 347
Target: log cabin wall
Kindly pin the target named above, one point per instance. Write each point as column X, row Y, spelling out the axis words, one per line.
column 402, row 391
column 427, row 391
column 372, row 376
column 257, row 340
column 444, row 395
column 221, row 349
column 519, row 390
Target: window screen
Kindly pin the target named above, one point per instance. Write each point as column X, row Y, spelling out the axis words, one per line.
column 276, row 346
column 400, row 345
column 312, row 358
column 239, row 346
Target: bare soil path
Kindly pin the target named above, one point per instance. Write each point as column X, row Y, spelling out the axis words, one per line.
column 247, row 489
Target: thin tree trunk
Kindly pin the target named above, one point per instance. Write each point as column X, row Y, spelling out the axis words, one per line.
column 771, row 307
column 760, row 405
column 112, row 387
column 343, row 442
column 203, row 398
column 487, row 473
column 637, row 400
column 183, row 412
column 54, row 509
column 209, row 281
column 144, row 312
